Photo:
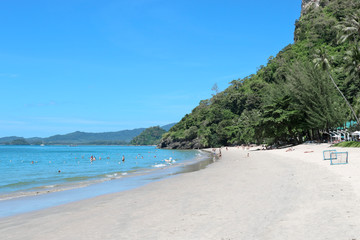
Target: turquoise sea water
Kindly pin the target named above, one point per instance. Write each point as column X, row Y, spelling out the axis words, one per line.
column 36, row 172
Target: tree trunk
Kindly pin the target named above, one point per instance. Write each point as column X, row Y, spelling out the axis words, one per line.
column 352, row 110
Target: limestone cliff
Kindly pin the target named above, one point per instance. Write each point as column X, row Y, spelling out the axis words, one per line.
column 306, row 4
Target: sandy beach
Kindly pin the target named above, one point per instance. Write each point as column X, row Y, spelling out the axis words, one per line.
column 272, row 194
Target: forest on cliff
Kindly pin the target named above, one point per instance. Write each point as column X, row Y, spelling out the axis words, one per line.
column 310, row 87
column 150, row 136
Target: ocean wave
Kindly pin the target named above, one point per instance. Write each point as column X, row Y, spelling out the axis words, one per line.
column 112, row 175
column 77, row 178
column 159, row 165
column 18, row 184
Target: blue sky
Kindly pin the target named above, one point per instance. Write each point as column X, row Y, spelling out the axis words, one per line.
column 100, row 66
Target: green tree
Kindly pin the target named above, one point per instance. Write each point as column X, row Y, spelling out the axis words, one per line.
column 314, row 98
column 349, row 28
column 150, row 136
column 322, row 61
column 280, row 119
column 352, row 67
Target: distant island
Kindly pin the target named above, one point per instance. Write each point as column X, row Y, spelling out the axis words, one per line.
column 123, row 137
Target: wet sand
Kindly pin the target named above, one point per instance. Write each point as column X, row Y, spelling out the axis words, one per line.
column 269, row 195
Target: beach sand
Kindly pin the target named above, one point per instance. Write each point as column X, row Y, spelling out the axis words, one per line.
column 271, row 194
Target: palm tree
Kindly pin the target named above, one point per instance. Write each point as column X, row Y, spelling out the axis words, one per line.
column 357, row 103
column 353, row 62
column 352, row 66
column 350, row 31
column 321, row 60
column 349, row 28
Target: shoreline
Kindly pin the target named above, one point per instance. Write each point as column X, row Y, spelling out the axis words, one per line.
column 23, row 202
column 271, row 194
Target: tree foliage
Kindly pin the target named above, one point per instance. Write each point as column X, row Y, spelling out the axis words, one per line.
column 289, row 99
column 150, row 136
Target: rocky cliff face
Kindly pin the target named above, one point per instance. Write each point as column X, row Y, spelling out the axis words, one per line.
column 306, row 4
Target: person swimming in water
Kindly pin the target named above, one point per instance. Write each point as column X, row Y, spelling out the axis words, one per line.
column 123, row 158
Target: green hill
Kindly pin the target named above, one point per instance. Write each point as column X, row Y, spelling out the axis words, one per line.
column 85, row 138
column 293, row 98
column 120, row 137
column 150, row 136
column 7, row 140
column 18, row 141
column 107, row 138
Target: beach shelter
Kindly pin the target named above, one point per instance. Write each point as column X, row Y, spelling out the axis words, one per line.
column 335, row 137
column 355, row 135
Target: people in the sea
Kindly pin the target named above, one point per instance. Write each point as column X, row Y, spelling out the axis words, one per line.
column 123, row 158
column 92, row 158
column 170, row 160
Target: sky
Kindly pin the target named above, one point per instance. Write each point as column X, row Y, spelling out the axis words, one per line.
column 99, row 66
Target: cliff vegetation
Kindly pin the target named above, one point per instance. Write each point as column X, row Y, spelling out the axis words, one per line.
column 311, row 86
column 150, row 136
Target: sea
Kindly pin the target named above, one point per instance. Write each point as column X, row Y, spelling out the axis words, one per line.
column 38, row 177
